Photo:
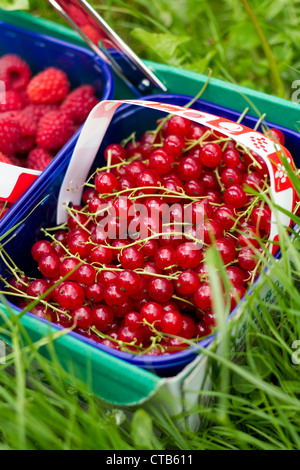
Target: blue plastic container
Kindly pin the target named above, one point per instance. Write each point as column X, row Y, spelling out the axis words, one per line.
column 127, row 119
column 40, row 51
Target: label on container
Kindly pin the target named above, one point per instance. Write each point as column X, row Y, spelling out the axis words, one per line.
column 14, row 181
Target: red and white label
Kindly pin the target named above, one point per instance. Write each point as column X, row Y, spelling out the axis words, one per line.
column 14, row 181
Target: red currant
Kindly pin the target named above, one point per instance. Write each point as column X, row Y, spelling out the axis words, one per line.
column 188, row 255
column 171, row 322
column 211, row 155
column 187, row 283
column 160, row 289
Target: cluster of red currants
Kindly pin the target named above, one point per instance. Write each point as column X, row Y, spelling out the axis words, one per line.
column 132, row 279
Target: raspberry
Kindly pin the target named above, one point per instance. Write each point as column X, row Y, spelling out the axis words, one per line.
column 34, row 112
column 9, row 134
column 38, row 159
column 27, row 133
column 25, row 144
column 17, row 161
column 24, row 97
column 27, row 126
column 54, row 130
column 4, row 159
column 13, row 102
column 49, row 86
column 79, row 103
column 14, row 72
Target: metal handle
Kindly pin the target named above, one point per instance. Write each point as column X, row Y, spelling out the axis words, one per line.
column 103, row 40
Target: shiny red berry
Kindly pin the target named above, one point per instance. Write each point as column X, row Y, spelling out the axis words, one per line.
column 171, row 322
column 188, row 255
column 102, row 317
column 235, row 196
column 211, row 155
column 160, row 289
column 187, row 283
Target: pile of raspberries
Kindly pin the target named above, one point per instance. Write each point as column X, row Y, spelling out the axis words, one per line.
column 38, row 113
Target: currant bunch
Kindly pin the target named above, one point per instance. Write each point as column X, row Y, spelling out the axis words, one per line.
column 123, row 276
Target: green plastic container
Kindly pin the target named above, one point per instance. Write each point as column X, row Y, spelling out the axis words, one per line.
column 116, row 382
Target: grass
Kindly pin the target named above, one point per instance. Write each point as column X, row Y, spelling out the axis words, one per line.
column 254, row 399
column 253, row 43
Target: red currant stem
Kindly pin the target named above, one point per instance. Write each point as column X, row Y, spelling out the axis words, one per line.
column 262, row 117
column 70, row 212
column 234, row 236
column 156, row 146
column 13, row 267
column 220, row 140
column 171, row 192
column 114, row 166
column 196, row 142
column 202, row 90
column 132, row 191
column 154, row 344
column 247, row 212
column 104, row 268
column 117, row 341
column 245, row 149
column 163, row 276
column 138, row 242
column 241, row 117
column 159, row 335
column 159, row 127
column 254, row 272
column 68, row 253
column 18, row 291
column 35, row 300
column 91, row 215
column 183, row 300
column 98, row 170
column 107, row 167
column 40, row 298
column 137, row 270
column 179, row 195
column 128, row 139
column 63, row 226
column 216, row 171
column 109, row 156
column 176, row 223
column 297, row 205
